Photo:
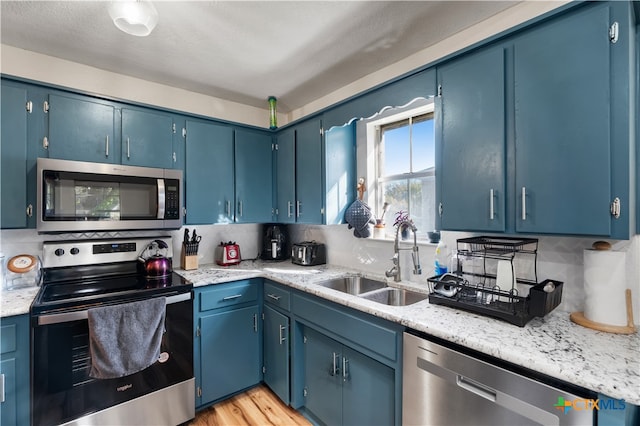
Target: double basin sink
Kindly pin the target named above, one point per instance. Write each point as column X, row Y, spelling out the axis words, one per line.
column 374, row 290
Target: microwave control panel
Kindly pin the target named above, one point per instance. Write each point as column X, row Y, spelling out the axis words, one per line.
column 172, row 200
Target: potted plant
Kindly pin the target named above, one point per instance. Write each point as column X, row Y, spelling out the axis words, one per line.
column 403, row 221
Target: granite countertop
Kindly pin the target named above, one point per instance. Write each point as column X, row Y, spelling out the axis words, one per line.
column 553, row 345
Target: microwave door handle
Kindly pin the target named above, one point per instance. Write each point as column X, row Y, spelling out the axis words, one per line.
column 161, row 199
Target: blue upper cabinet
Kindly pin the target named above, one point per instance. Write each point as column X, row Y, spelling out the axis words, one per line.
column 470, row 135
column 286, row 176
column 82, row 128
column 14, row 157
column 147, row 138
column 340, row 171
column 209, row 173
column 309, row 205
column 572, row 137
column 253, row 176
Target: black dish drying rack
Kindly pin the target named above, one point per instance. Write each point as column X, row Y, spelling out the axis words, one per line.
column 477, row 290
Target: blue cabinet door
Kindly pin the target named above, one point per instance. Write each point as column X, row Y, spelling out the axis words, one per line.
column 81, row 129
column 276, row 352
column 322, row 377
column 562, row 125
column 471, row 140
column 254, row 176
column 229, row 352
column 209, row 173
column 14, row 369
column 368, row 390
column 340, row 172
column 13, row 168
column 309, row 166
column 147, row 138
column 286, row 176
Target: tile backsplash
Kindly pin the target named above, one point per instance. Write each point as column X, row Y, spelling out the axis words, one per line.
column 559, row 258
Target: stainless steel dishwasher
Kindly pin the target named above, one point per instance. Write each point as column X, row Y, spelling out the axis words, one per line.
column 442, row 386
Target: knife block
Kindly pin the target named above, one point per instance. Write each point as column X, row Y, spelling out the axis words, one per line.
column 188, row 262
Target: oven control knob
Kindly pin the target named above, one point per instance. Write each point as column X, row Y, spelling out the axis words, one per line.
column 75, row 250
column 59, row 252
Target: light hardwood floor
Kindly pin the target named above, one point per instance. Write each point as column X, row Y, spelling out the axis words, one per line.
column 258, row 406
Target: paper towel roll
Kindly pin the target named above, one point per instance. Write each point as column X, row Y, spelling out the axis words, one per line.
column 604, row 286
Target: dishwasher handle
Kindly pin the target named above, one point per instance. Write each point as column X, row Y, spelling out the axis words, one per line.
column 476, row 387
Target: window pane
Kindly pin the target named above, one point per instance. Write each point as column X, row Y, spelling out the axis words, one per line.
column 423, row 146
column 422, row 200
column 396, row 194
column 395, row 156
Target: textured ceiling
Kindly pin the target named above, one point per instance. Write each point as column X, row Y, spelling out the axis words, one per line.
column 244, row 51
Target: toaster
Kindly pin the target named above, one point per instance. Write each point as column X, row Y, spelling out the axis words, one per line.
column 308, row 253
column 227, row 254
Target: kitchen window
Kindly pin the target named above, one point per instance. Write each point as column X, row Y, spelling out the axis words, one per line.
column 404, row 165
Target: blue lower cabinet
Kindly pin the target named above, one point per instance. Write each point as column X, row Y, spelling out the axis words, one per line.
column 276, row 352
column 227, row 349
column 14, row 371
column 616, row 412
column 344, row 386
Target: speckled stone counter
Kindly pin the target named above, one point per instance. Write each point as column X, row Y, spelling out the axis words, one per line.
column 603, row 362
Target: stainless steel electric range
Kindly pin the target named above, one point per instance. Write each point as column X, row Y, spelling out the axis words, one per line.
column 82, row 275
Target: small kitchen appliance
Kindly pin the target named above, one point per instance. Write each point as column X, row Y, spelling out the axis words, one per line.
column 275, row 242
column 309, row 253
column 228, row 254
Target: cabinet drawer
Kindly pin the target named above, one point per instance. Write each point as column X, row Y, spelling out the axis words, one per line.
column 367, row 333
column 277, row 296
column 8, row 338
column 223, row 295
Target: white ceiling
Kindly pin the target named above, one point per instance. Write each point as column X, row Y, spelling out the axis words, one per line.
column 244, row 51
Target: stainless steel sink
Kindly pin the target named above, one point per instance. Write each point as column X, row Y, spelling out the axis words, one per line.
column 353, row 284
column 395, row 296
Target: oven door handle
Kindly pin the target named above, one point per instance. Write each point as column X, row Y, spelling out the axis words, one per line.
column 83, row 315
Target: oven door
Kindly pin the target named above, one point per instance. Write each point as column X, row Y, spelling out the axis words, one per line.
column 62, row 390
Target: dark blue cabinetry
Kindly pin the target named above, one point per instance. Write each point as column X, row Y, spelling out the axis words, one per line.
column 308, row 208
column 227, row 349
column 209, row 173
column 339, row 172
column 276, row 339
column 13, row 169
column 286, row 176
column 14, row 370
column 81, row 128
column 470, row 129
column 147, row 138
column 253, row 176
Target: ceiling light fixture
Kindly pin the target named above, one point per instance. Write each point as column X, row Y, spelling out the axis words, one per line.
column 135, row 17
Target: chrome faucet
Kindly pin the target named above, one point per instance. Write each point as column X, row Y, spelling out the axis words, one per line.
column 395, row 269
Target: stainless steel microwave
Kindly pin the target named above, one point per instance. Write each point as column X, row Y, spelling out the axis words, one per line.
column 75, row 196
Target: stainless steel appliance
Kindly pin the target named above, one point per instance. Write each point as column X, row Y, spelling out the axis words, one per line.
column 442, row 386
column 77, row 277
column 79, row 196
column 308, row 253
column 275, row 242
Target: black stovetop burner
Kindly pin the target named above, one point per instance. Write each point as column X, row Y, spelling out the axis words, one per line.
column 67, row 289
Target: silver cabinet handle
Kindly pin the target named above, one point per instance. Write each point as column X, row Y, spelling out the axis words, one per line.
column 255, row 322
column 106, row 146
column 282, row 336
column 240, row 208
column 1, row 388
column 228, row 207
column 491, row 211
column 524, row 203
column 335, row 370
column 128, row 153
column 345, row 370
column 289, row 205
column 273, row 296
column 298, row 208
column 235, row 296
column 30, row 210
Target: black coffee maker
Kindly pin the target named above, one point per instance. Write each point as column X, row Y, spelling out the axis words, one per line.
column 275, row 242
